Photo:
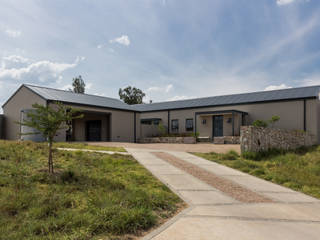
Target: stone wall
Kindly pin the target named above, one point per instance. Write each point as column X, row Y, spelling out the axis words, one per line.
column 187, row 140
column 226, row 140
column 256, row 139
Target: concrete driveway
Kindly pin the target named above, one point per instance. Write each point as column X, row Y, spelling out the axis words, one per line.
column 199, row 147
column 227, row 204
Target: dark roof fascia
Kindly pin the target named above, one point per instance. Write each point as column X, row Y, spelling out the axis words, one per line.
column 26, row 86
column 231, row 104
column 146, row 111
column 88, row 105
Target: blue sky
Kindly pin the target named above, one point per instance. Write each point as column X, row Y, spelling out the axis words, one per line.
column 171, row 49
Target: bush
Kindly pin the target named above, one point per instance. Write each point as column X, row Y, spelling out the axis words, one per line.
column 260, row 123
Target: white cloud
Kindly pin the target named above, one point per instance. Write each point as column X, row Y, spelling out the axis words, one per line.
column 165, row 89
column 13, row 33
column 20, row 68
column 276, row 87
column 286, row 2
column 124, row 40
column 66, row 87
column 176, row 98
column 99, row 46
column 16, row 58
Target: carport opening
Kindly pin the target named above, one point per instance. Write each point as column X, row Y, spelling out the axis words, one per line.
column 94, row 126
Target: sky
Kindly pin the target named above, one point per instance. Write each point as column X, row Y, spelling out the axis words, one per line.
column 171, row 49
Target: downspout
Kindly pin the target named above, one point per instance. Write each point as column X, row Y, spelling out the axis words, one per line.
column 304, row 115
column 232, row 123
column 135, row 127
column 195, row 124
column 168, row 121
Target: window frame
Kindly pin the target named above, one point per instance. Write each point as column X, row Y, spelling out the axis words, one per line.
column 175, row 128
column 189, row 129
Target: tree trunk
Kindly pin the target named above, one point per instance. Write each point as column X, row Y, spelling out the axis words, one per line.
column 50, row 162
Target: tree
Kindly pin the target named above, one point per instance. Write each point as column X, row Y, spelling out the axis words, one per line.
column 47, row 120
column 131, row 95
column 78, row 85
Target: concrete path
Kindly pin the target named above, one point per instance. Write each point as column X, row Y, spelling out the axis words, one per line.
column 213, row 214
column 199, row 147
column 90, row 150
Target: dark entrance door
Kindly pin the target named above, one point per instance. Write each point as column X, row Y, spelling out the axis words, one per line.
column 217, row 127
column 93, row 130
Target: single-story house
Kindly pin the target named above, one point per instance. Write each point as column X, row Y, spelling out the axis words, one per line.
column 109, row 119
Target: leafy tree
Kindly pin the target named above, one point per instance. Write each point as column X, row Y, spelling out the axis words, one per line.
column 131, row 95
column 78, row 85
column 47, row 120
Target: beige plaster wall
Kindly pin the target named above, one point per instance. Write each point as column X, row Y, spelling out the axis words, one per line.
column 291, row 116
column 23, row 99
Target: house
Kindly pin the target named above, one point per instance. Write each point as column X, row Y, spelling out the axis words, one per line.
column 108, row 119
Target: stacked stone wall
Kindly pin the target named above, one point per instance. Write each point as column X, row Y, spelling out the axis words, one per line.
column 257, row 139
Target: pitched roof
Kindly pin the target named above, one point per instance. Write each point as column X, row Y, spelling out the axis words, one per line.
column 77, row 98
column 234, row 99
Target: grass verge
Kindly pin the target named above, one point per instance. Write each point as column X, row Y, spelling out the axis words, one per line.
column 87, row 146
column 90, row 196
column 298, row 170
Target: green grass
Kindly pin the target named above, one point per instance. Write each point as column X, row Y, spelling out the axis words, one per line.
column 298, row 170
column 87, row 146
column 90, row 196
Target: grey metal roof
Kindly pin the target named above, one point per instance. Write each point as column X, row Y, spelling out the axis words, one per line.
column 76, row 98
column 234, row 99
column 264, row 96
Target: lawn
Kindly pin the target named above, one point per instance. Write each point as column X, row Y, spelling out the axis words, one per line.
column 87, row 146
column 90, row 196
column 298, row 170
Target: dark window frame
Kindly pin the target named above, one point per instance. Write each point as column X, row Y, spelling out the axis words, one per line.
column 173, row 127
column 189, row 128
column 146, row 122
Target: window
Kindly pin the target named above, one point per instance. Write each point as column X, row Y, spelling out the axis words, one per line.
column 189, row 124
column 175, row 125
column 146, row 122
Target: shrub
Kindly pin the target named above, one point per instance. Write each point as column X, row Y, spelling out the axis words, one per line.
column 162, row 130
column 260, row 123
column 273, row 120
column 68, row 176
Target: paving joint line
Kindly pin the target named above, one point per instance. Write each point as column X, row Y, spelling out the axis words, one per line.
column 253, row 219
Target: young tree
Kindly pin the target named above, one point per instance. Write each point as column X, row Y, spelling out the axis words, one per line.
column 78, row 85
column 273, row 120
column 47, row 120
column 131, row 95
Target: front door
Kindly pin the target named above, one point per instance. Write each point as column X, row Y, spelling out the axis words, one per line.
column 217, row 127
column 93, row 130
